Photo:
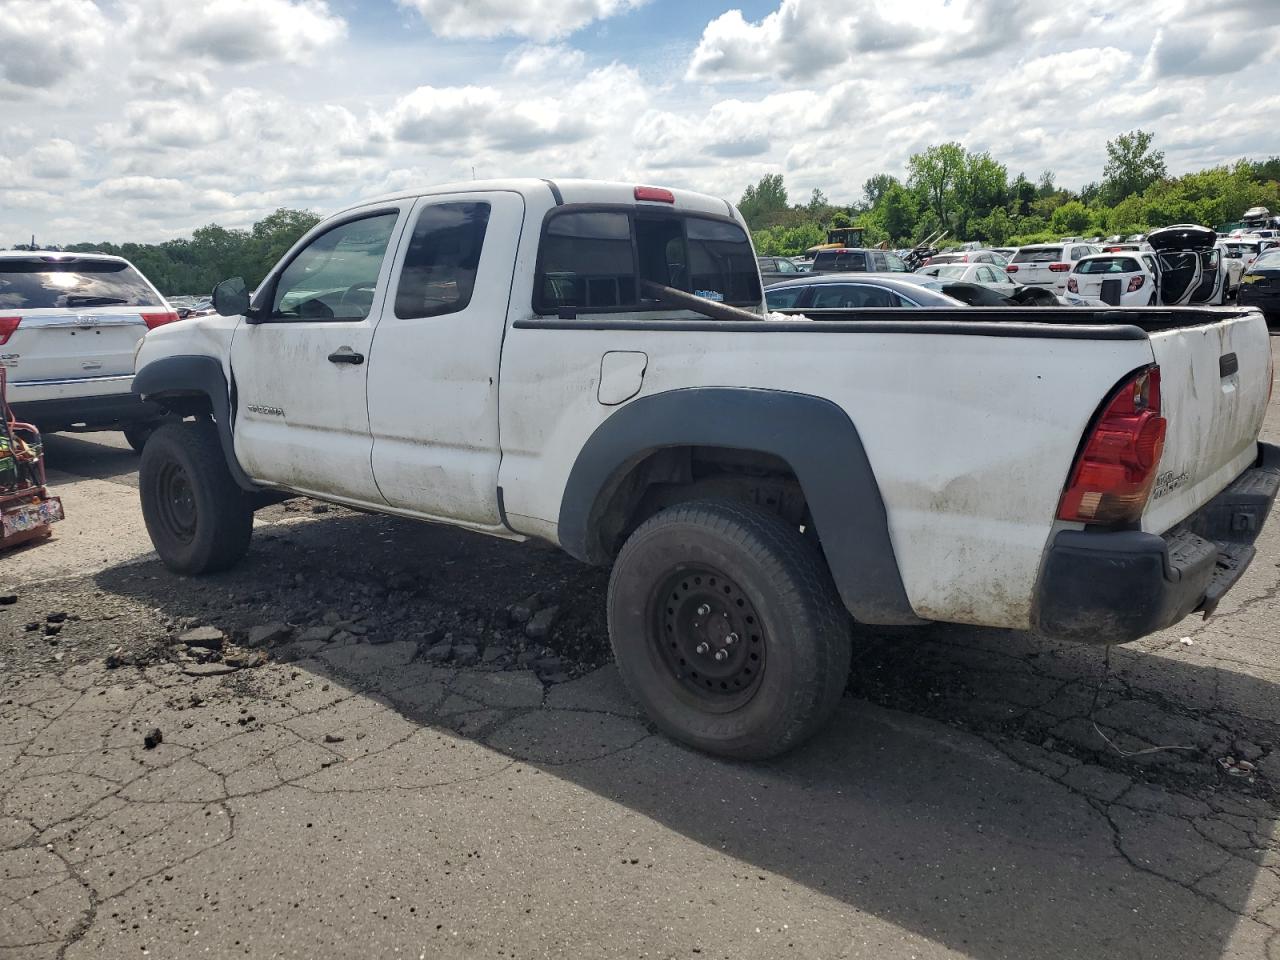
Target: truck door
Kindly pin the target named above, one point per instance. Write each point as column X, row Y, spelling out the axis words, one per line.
column 433, row 370
column 299, row 375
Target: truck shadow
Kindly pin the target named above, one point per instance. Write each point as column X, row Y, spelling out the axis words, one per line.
column 963, row 792
column 72, row 456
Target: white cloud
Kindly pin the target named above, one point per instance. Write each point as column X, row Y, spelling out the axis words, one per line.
column 535, row 59
column 234, row 32
column 43, row 42
column 539, row 19
column 803, row 39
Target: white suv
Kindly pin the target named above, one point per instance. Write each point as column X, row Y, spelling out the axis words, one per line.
column 69, row 325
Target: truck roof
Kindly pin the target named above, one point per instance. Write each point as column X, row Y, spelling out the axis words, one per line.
column 569, row 190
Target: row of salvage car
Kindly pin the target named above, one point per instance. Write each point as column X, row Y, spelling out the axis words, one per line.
column 1181, row 265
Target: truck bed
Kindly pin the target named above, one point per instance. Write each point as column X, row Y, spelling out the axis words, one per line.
column 1057, row 323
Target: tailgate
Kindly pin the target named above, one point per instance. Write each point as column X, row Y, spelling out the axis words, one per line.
column 1214, row 383
column 68, row 345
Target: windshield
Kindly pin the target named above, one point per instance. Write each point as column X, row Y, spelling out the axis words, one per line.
column 954, row 271
column 37, row 284
column 1038, row 255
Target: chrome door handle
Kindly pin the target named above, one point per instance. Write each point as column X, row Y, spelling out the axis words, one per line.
column 346, row 355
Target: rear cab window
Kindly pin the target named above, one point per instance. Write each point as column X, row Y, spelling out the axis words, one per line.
column 39, row 283
column 597, row 259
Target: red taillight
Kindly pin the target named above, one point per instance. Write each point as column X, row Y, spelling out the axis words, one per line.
column 7, row 326
column 153, row 320
column 1071, row 285
column 1011, row 268
column 660, row 194
column 1113, row 476
column 1135, row 283
column 1059, row 267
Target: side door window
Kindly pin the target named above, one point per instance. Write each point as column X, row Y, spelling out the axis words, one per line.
column 439, row 272
column 785, row 266
column 895, row 263
column 880, row 263
column 783, row 299
column 838, row 296
column 335, row 276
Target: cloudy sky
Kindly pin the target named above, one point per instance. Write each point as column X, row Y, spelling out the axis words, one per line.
column 141, row 119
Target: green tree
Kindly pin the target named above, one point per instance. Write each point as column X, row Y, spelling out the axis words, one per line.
column 937, row 171
column 1132, row 165
column 762, row 202
column 1072, row 218
column 1021, row 195
column 899, row 212
column 876, row 187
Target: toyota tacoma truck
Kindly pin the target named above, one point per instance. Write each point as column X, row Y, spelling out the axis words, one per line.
column 591, row 364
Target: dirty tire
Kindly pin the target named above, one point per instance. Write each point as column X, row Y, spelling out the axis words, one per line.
column 198, row 517
column 743, row 559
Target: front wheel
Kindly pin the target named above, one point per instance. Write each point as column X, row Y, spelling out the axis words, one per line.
column 198, row 517
column 727, row 628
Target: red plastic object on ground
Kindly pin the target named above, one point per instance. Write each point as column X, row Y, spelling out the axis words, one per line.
column 27, row 512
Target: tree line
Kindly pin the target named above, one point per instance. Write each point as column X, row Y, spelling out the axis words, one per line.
column 972, row 196
column 213, row 253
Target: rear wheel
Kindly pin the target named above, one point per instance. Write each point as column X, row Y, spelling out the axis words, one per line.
column 727, row 628
column 198, row 517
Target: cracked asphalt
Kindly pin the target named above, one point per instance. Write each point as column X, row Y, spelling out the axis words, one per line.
column 980, row 794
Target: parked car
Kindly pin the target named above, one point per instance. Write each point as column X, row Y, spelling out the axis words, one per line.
column 986, row 273
column 591, row 364
column 967, row 256
column 832, row 291
column 1260, row 286
column 1047, row 264
column 1117, row 279
column 69, row 325
column 1233, row 263
column 1192, row 270
column 773, row 269
column 858, row 259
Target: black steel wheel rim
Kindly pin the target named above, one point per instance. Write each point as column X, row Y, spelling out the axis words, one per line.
column 709, row 638
column 177, row 502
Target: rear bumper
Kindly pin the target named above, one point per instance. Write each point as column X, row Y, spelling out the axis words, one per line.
column 1119, row 586
column 101, row 412
column 1268, row 302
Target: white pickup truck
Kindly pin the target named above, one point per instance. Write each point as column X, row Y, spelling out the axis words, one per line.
column 591, row 364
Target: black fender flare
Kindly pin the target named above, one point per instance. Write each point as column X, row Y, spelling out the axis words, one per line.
column 194, row 374
column 814, row 436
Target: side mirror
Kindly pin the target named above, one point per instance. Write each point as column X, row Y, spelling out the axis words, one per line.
column 231, row 298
